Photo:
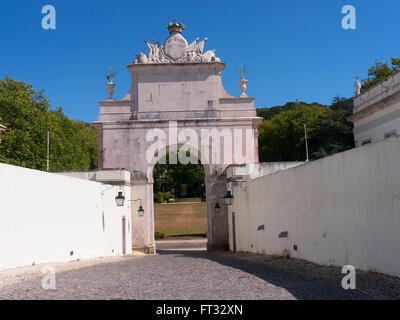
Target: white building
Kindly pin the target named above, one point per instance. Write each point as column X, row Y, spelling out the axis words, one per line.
column 52, row 217
column 376, row 114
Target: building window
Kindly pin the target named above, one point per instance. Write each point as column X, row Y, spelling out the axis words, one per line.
column 367, row 141
column 390, row 134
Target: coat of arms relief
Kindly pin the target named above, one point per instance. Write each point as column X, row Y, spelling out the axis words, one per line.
column 176, row 49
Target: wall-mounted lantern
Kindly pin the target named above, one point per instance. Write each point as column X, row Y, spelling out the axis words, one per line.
column 120, row 199
column 228, row 198
column 217, row 208
column 141, row 211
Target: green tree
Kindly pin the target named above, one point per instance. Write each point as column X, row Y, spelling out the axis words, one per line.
column 282, row 137
column 380, row 71
column 26, row 114
column 335, row 131
column 186, row 181
column 268, row 113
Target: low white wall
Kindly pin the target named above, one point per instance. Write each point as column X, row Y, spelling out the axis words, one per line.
column 46, row 217
column 343, row 209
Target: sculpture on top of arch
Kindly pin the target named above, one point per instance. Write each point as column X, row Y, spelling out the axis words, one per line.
column 176, row 49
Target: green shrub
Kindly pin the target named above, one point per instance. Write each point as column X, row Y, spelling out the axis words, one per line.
column 168, row 196
column 159, row 197
column 159, row 235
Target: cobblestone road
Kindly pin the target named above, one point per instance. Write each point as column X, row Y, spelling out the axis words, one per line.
column 193, row 274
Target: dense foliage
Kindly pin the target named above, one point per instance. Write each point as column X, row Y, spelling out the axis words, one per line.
column 335, row 132
column 380, row 71
column 26, row 114
column 268, row 113
column 178, row 180
column 282, row 138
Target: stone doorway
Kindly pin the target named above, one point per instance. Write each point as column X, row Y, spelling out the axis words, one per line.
column 180, row 201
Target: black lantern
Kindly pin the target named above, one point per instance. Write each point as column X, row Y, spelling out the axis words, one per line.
column 217, row 208
column 141, row 211
column 228, row 198
column 120, row 199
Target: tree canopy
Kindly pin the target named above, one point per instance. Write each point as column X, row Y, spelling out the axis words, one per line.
column 26, row 114
column 380, row 71
column 282, row 137
column 268, row 113
column 178, row 180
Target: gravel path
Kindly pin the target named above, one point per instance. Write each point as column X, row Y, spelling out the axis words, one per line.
column 193, row 274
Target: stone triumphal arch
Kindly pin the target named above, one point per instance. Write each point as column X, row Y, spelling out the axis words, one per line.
column 175, row 99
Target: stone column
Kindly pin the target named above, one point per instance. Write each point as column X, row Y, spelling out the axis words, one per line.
column 142, row 226
column 217, row 223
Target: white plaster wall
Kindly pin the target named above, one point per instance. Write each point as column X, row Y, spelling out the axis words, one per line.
column 45, row 216
column 384, row 115
column 377, row 133
column 376, row 125
column 343, row 209
column 248, row 172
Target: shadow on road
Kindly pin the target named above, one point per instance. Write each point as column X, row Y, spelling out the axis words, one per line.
column 302, row 287
column 220, row 274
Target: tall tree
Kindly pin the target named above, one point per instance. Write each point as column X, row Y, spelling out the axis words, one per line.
column 282, row 137
column 26, row 114
column 335, row 132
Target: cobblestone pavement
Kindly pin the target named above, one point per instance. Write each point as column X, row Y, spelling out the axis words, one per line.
column 193, row 274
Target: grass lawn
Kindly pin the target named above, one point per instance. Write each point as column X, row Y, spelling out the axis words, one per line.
column 180, row 218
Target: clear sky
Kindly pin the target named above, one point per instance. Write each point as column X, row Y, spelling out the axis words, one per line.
column 294, row 49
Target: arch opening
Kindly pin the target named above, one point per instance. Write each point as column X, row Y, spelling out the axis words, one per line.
column 180, row 200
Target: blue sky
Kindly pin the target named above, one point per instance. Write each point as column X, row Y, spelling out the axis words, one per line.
column 294, row 49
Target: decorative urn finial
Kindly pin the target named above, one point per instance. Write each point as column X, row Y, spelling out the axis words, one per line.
column 242, row 71
column 110, row 75
column 357, row 86
column 174, row 27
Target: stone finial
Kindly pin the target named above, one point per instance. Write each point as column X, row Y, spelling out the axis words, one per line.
column 242, row 71
column 174, row 27
column 243, row 87
column 110, row 90
column 357, row 86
